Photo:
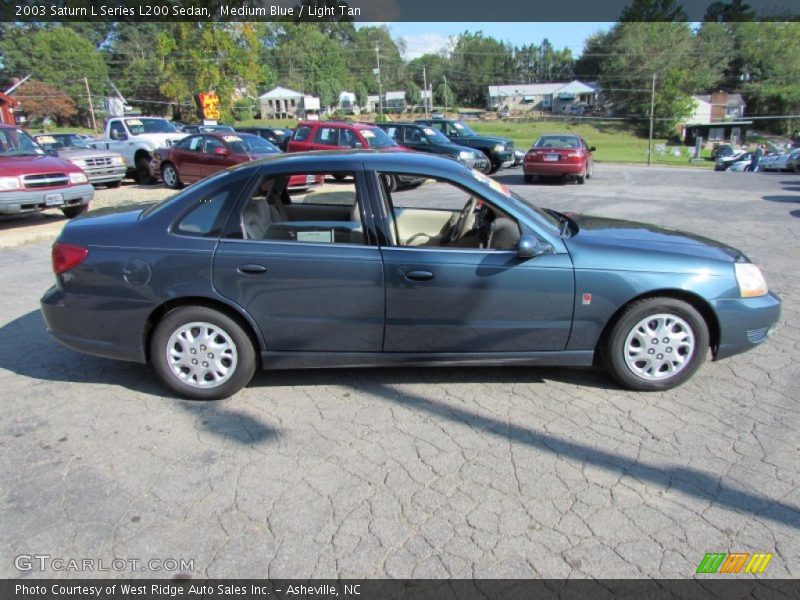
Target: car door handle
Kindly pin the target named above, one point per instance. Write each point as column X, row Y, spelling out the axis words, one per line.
column 419, row 275
column 252, row 269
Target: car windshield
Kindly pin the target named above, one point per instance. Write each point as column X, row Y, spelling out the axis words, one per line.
column 245, row 143
column 15, row 142
column 464, row 130
column 434, row 135
column 62, row 140
column 378, row 138
column 557, row 141
column 140, row 126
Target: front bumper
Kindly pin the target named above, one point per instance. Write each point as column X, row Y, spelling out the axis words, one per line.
column 479, row 164
column 745, row 322
column 105, row 174
column 13, row 203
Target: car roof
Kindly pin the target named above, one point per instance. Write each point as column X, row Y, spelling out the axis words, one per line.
column 353, row 124
column 332, row 159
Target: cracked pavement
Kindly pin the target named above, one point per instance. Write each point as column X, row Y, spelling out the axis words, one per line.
column 445, row 472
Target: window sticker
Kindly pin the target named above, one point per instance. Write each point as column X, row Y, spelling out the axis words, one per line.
column 367, row 133
column 319, row 237
column 495, row 185
column 429, row 131
column 458, row 126
column 134, row 122
column 46, row 139
column 231, row 138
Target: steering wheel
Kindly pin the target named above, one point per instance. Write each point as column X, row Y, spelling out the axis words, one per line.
column 461, row 226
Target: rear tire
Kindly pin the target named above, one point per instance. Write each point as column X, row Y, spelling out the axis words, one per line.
column 656, row 344
column 74, row 211
column 202, row 354
column 390, row 181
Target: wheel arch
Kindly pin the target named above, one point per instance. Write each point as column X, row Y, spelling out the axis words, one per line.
column 699, row 303
column 141, row 153
column 244, row 320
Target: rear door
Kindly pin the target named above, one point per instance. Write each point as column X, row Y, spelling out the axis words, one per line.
column 326, row 138
column 306, row 266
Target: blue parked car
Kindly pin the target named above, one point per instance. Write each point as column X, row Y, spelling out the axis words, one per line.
column 236, row 272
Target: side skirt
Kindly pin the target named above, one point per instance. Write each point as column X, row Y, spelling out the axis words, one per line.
column 322, row 360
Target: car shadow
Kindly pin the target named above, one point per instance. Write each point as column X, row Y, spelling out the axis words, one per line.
column 784, row 199
column 519, row 179
column 795, row 213
column 8, row 222
column 27, row 349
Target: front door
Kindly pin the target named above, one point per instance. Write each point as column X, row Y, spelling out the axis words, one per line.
column 455, row 284
column 305, row 267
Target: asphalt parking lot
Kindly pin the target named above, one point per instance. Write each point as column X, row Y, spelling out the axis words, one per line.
column 478, row 472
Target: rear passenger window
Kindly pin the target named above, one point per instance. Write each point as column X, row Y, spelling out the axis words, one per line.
column 301, row 133
column 305, row 208
column 205, row 219
column 328, row 136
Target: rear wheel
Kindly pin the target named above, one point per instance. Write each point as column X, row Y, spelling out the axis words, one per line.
column 143, row 173
column 202, row 354
column 657, row 344
column 170, row 177
column 390, row 182
column 73, row 211
column 581, row 179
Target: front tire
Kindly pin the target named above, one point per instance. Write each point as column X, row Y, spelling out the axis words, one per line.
column 74, row 211
column 656, row 344
column 143, row 174
column 170, row 177
column 114, row 184
column 202, row 354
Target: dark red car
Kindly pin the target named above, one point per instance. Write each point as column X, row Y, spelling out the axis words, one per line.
column 339, row 135
column 559, row 155
column 198, row 156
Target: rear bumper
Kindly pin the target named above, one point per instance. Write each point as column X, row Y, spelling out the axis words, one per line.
column 12, row 203
column 553, row 169
column 78, row 322
column 745, row 322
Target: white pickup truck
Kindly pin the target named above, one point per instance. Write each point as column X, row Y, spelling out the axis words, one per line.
column 136, row 138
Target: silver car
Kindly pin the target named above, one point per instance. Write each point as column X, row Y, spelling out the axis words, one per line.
column 101, row 166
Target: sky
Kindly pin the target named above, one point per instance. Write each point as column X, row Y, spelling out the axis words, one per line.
column 423, row 38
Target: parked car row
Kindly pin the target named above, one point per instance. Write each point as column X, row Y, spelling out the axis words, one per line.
column 786, row 161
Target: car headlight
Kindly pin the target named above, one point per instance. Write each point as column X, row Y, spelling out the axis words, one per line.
column 465, row 155
column 499, row 148
column 750, row 279
column 78, row 162
column 76, row 178
column 117, row 160
column 9, row 183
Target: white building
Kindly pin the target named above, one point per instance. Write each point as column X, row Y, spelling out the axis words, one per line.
column 348, row 103
column 553, row 97
column 280, row 103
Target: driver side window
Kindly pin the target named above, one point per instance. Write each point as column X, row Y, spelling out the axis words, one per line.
column 437, row 213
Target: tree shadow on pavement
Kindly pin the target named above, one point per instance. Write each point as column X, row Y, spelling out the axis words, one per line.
column 690, row 481
column 28, row 350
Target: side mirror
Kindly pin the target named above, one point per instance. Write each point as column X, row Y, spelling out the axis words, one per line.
column 220, row 151
column 52, row 152
column 119, row 136
column 592, row 149
column 530, row 247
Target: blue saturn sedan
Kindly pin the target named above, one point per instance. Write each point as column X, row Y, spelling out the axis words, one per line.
column 238, row 271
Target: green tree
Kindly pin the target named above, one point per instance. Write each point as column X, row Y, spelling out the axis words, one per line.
column 477, row 62
column 653, row 10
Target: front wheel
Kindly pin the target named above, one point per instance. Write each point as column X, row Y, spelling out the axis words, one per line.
column 143, row 173
column 114, row 184
column 74, row 211
column 202, row 354
column 657, row 344
column 170, row 177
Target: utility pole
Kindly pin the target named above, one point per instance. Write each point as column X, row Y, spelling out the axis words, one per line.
column 445, row 95
column 380, row 86
column 652, row 117
column 91, row 106
column 425, row 91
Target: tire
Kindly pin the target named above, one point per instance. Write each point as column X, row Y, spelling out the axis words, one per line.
column 488, row 169
column 581, row 179
column 172, row 339
column 143, row 174
column 114, row 184
column 340, row 177
column 640, row 333
column 390, row 181
column 170, row 177
column 527, row 178
column 495, row 167
column 590, row 171
column 74, row 211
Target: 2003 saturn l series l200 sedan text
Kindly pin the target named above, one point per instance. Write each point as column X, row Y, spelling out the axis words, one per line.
column 236, row 271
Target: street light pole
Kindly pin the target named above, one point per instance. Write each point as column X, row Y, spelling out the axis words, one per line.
column 380, row 86
column 91, row 106
column 425, row 91
column 652, row 116
column 445, row 95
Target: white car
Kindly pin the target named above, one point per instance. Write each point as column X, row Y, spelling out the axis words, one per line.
column 774, row 162
column 740, row 167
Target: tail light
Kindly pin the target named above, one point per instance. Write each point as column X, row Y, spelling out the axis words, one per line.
column 575, row 156
column 67, row 256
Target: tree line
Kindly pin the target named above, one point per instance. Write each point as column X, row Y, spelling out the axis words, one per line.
column 159, row 66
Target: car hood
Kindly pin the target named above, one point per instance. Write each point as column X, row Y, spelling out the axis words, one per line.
column 34, row 165
column 599, row 232
column 480, row 139
column 158, row 139
column 72, row 154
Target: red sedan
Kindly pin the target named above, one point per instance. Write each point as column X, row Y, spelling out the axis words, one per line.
column 559, row 155
column 198, row 156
